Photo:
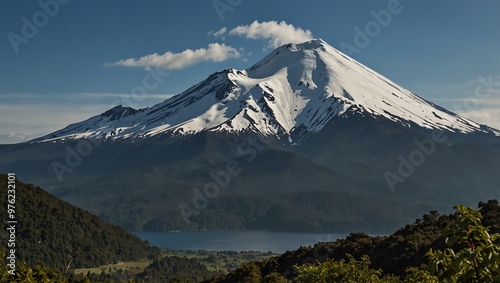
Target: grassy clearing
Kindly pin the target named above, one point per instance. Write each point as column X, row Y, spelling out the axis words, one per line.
column 221, row 262
column 132, row 267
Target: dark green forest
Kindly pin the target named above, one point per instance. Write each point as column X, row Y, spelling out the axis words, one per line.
column 53, row 237
column 57, row 234
column 394, row 254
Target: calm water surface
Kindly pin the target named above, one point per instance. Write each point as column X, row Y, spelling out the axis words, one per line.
column 235, row 240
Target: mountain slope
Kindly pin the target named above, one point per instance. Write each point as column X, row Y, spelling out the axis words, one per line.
column 302, row 196
column 56, row 234
column 304, row 122
column 293, row 92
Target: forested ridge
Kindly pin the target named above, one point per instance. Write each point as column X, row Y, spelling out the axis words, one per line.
column 56, row 234
column 53, row 237
column 394, row 254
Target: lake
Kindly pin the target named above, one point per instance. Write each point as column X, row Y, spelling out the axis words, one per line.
column 263, row 241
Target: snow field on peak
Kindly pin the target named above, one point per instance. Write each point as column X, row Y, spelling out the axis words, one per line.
column 297, row 87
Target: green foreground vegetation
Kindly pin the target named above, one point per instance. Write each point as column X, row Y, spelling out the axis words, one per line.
column 216, row 262
column 175, row 265
column 472, row 255
column 461, row 247
column 57, row 242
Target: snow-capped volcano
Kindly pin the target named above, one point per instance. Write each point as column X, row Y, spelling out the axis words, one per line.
column 293, row 92
column 359, row 142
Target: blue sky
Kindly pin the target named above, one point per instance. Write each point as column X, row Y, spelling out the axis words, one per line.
column 73, row 64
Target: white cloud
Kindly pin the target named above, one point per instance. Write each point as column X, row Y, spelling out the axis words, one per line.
column 220, row 32
column 489, row 116
column 477, row 99
column 488, row 86
column 175, row 61
column 480, row 110
column 12, row 137
column 276, row 33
